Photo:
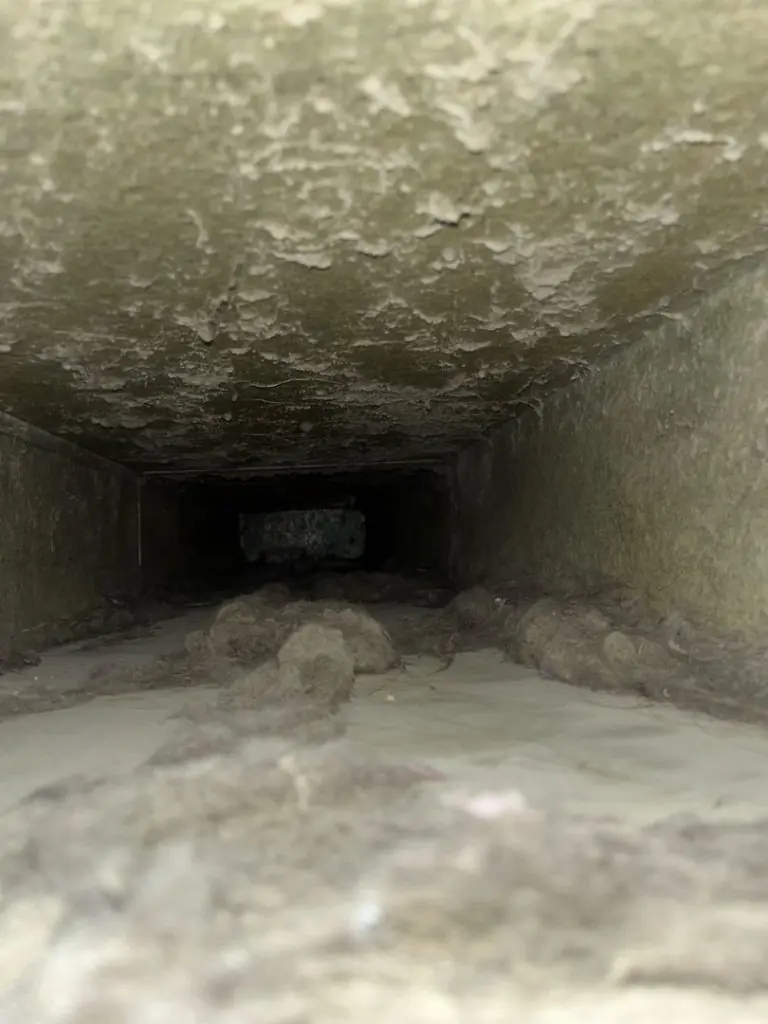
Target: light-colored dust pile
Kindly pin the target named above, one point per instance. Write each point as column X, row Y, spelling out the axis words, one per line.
column 602, row 637
column 278, row 884
column 243, row 632
column 366, row 639
column 578, row 643
column 317, row 663
column 244, row 635
column 246, row 631
column 472, row 619
column 296, row 694
column 605, row 636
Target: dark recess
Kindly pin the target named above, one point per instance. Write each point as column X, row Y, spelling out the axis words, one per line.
column 406, row 513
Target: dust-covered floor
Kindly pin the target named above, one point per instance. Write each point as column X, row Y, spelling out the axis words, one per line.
column 287, row 809
column 482, row 719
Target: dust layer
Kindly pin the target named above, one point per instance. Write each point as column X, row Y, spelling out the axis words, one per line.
column 601, row 637
column 276, row 882
column 260, row 868
column 246, row 636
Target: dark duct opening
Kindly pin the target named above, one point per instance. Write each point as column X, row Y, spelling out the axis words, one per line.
column 193, row 531
column 333, row 537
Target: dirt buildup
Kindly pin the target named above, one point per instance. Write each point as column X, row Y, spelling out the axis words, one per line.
column 206, row 729
column 604, row 637
column 278, row 883
column 245, row 632
column 577, row 643
column 317, row 664
column 366, row 639
column 296, row 694
column 243, row 635
column 473, row 608
column 314, row 666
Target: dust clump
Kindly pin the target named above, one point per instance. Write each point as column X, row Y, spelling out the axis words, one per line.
column 603, row 635
column 318, row 663
column 242, row 632
column 246, row 632
column 277, row 882
column 576, row 643
column 243, row 636
column 471, row 620
column 599, row 643
column 595, row 633
column 297, row 694
column 473, row 608
column 366, row 639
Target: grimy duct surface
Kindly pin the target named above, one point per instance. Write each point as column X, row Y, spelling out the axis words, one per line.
column 653, row 471
column 358, row 236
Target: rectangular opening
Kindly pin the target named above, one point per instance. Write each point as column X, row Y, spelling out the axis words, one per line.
column 323, row 535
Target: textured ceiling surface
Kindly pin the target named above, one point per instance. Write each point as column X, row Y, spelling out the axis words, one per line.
column 267, row 232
